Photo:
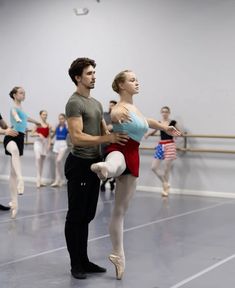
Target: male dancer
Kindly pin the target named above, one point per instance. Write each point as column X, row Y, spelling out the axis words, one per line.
column 88, row 131
column 10, row 132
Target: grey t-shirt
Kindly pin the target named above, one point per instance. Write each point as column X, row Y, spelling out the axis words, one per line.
column 92, row 113
column 107, row 118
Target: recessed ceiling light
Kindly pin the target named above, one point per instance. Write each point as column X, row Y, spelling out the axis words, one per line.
column 80, row 11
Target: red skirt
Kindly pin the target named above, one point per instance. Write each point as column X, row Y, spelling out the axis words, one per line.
column 131, row 154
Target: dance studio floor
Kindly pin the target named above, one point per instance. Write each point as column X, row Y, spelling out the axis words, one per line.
column 181, row 242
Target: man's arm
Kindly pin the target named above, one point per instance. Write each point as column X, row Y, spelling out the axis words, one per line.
column 79, row 138
column 104, row 128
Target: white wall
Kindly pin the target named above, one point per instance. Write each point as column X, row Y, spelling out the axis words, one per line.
column 181, row 50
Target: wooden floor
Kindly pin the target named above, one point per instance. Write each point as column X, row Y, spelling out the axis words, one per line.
column 180, row 242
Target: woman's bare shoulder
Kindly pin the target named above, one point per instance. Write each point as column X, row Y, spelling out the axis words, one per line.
column 119, row 107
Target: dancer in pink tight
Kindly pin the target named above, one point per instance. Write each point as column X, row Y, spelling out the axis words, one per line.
column 41, row 145
column 6, row 131
column 122, row 162
column 165, row 152
column 14, row 146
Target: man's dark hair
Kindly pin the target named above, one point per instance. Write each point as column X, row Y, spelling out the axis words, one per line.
column 78, row 66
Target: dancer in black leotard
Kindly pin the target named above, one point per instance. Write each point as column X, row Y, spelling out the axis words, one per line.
column 165, row 152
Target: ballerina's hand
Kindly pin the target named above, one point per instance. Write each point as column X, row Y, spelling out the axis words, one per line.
column 120, row 114
column 171, row 130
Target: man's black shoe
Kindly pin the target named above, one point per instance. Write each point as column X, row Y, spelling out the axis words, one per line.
column 78, row 274
column 93, row 268
column 4, row 208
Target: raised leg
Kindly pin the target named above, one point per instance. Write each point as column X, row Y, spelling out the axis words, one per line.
column 113, row 166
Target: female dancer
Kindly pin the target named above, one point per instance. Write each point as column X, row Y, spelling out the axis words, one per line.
column 122, row 162
column 60, row 146
column 42, row 145
column 6, row 131
column 165, row 150
column 14, row 146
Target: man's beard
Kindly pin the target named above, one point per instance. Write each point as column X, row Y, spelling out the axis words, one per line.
column 91, row 86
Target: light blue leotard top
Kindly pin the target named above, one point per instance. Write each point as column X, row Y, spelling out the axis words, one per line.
column 135, row 129
column 19, row 126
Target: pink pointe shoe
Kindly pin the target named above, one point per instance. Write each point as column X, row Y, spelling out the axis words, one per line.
column 119, row 264
column 166, row 189
column 20, row 186
column 56, row 184
column 14, row 211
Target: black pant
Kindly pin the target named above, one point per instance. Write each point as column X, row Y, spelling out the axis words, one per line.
column 83, row 191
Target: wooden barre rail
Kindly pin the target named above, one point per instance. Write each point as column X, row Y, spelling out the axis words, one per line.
column 208, row 136
column 203, row 150
column 204, row 136
column 206, row 150
column 185, row 147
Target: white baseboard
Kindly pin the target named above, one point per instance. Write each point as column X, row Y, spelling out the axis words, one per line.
column 188, row 192
column 27, row 179
column 176, row 191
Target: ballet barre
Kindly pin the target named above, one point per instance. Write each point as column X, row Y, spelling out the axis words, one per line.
column 195, row 150
column 185, row 147
column 27, row 135
column 26, row 142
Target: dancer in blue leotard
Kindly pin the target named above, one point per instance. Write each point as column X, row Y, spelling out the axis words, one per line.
column 14, row 146
column 122, row 161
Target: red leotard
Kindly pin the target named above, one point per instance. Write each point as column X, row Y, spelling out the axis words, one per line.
column 131, row 154
column 43, row 131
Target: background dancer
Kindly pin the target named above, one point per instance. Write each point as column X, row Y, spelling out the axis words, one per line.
column 14, row 146
column 41, row 145
column 6, row 131
column 165, row 152
column 59, row 148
